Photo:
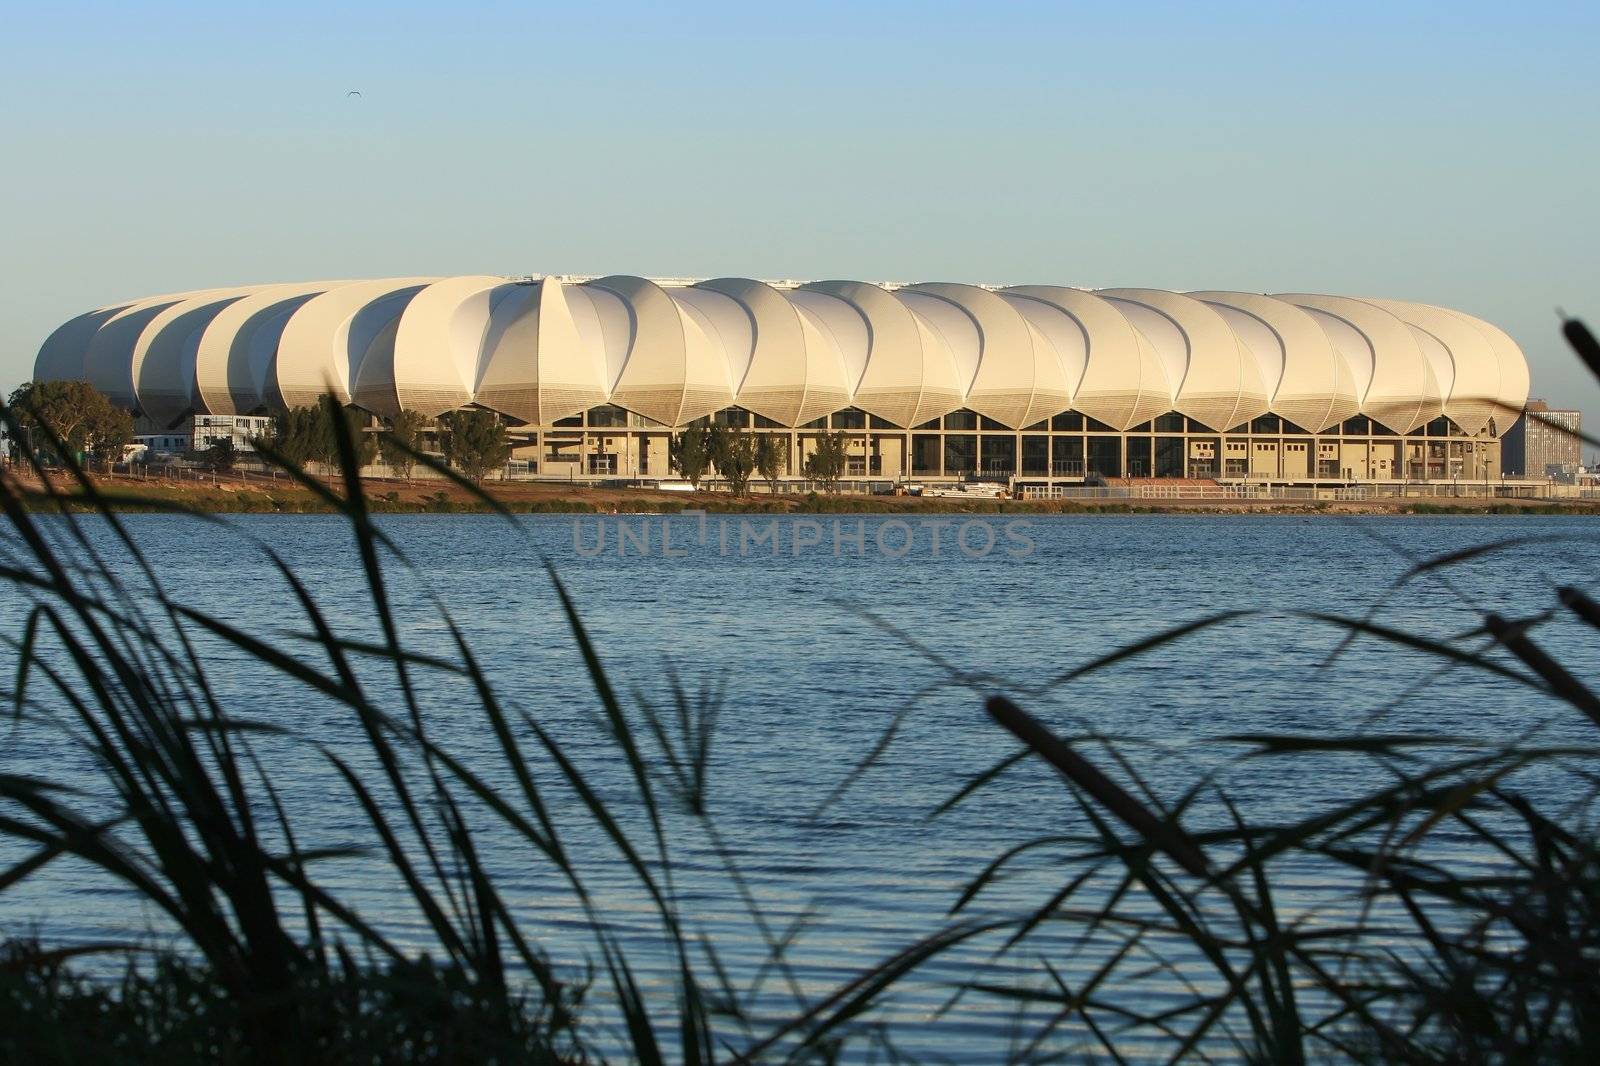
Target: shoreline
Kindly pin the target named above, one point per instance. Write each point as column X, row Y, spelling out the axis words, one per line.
column 261, row 496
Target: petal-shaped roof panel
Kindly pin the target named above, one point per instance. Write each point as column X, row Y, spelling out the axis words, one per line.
column 1307, row 380
column 725, row 320
column 1219, row 380
column 794, row 372
column 535, row 365
column 1400, row 391
column 1472, row 390
column 63, row 355
column 1514, row 381
column 238, row 345
column 432, row 364
column 673, row 371
column 1124, row 381
column 1062, row 334
column 844, row 327
column 910, row 374
column 164, row 356
column 108, row 363
column 326, row 339
column 1019, row 379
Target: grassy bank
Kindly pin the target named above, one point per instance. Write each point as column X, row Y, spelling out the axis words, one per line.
column 261, row 496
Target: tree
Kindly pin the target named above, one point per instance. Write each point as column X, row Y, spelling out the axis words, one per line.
column 717, row 444
column 306, row 435
column 221, row 456
column 736, row 459
column 690, row 454
column 294, row 436
column 475, row 442
column 404, row 432
column 769, row 459
column 110, row 429
column 84, row 419
column 827, row 463
column 327, row 428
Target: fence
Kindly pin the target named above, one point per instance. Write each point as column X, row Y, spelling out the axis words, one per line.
column 1397, row 490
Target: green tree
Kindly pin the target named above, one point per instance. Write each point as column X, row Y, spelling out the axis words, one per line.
column 737, row 459
column 78, row 413
column 294, row 436
column 717, row 437
column 769, row 458
column 827, row 463
column 221, row 456
column 689, row 453
column 306, row 435
column 327, row 429
column 475, row 442
column 110, row 428
column 404, row 432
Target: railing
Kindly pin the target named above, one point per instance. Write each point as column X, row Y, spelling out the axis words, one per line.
column 1252, row 491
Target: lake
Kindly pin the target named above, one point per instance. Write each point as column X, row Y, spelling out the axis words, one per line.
column 818, row 635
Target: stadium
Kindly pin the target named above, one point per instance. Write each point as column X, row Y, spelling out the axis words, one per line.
column 1031, row 384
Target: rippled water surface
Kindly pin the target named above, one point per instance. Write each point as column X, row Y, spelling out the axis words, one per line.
column 810, row 682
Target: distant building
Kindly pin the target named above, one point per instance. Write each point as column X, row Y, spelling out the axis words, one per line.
column 148, row 447
column 1544, row 446
column 206, row 430
column 198, row 433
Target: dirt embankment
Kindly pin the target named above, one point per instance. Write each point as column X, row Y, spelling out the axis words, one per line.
column 257, row 495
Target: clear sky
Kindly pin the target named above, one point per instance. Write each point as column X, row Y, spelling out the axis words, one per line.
column 1447, row 152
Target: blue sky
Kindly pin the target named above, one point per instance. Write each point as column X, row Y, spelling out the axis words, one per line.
column 1445, row 152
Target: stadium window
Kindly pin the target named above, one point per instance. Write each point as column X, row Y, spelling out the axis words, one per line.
column 960, row 454
column 606, row 416
column 1169, row 423
column 1035, row 455
column 850, row 418
column 1067, row 422
column 925, row 454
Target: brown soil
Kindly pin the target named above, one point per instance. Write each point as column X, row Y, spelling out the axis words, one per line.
column 255, row 494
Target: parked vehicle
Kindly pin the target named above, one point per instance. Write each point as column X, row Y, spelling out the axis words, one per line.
column 968, row 490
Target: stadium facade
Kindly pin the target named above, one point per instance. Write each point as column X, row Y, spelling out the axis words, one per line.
column 1034, row 383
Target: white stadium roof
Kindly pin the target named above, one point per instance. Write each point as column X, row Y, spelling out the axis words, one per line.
column 542, row 349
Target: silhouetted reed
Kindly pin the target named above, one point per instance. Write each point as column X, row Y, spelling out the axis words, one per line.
column 1415, row 956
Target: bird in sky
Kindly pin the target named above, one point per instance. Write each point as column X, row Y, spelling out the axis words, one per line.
column 352, row 92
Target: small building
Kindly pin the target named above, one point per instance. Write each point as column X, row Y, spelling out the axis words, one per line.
column 150, row 447
column 1545, row 445
column 196, row 434
column 206, row 430
column 199, row 432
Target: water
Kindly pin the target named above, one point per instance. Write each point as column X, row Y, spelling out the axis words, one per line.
column 810, row 683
